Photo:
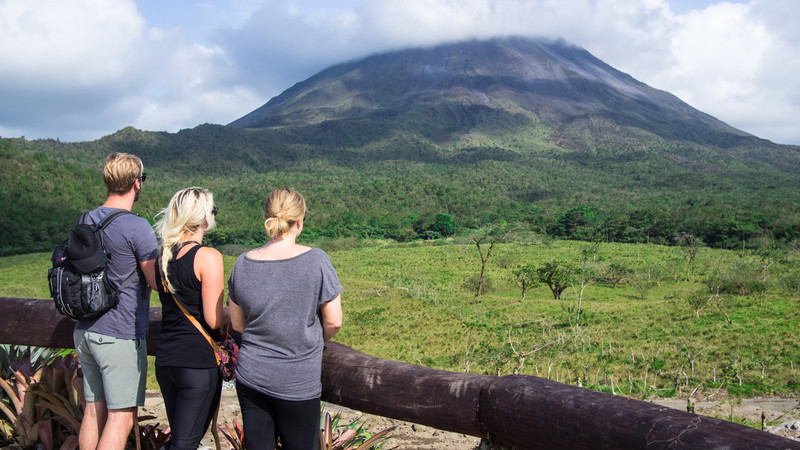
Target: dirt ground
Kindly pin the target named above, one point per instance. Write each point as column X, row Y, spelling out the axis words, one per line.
column 405, row 436
column 412, row 436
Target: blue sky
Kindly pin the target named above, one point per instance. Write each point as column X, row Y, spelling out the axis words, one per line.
column 684, row 6
column 83, row 69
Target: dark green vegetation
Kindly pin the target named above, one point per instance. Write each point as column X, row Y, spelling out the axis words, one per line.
column 432, row 142
column 44, row 187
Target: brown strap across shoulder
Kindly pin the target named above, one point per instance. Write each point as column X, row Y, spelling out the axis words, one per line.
column 188, row 316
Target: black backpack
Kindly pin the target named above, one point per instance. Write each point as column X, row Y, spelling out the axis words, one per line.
column 78, row 281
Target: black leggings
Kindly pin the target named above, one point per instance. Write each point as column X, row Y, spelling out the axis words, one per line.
column 267, row 418
column 191, row 397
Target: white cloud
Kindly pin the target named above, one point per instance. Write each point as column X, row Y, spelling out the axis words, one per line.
column 193, row 84
column 708, row 71
column 54, row 42
column 280, row 44
column 737, row 62
column 82, row 69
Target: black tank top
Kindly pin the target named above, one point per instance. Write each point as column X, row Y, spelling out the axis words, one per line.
column 179, row 342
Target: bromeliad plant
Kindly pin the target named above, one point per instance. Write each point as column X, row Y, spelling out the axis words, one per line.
column 43, row 398
column 352, row 436
column 20, row 424
column 43, row 401
column 23, row 357
column 151, row 436
column 333, row 435
column 234, row 436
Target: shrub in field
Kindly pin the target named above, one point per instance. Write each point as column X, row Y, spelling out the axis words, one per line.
column 790, row 281
column 525, row 277
column 698, row 300
column 739, row 279
column 444, row 225
column 473, row 281
column 429, row 235
column 616, row 273
column 556, row 276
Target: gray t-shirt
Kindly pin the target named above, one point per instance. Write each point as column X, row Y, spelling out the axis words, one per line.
column 129, row 239
column 281, row 351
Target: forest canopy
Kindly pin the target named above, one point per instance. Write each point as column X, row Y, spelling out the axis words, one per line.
column 410, row 188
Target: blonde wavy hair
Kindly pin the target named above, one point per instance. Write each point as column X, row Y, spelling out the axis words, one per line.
column 120, row 171
column 189, row 210
column 284, row 208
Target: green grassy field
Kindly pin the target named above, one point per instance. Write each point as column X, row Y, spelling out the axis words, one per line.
column 416, row 303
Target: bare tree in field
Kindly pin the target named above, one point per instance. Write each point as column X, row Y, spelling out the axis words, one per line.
column 690, row 244
column 766, row 257
column 641, row 282
column 491, row 237
column 584, row 276
column 714, row 283
column 698, row 300
column 522, row 355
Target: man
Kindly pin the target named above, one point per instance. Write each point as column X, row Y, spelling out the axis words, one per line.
column 112, row 348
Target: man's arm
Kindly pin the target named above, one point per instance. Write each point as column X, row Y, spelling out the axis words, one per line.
column 149, row 269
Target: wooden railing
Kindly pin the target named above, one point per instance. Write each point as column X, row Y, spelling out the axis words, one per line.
column 516, row 411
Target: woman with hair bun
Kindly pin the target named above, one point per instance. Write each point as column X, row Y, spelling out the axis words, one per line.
column 285, row 299
column 186, row 367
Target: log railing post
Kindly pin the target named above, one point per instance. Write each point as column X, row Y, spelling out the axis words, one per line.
column 516, row 410
column 27, row 321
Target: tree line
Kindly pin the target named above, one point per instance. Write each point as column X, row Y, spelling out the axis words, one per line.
column 396, row 192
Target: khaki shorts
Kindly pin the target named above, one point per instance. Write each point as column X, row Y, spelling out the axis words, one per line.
column 114, row 370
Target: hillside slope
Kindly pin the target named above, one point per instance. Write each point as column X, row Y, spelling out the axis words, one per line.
column 562, row 89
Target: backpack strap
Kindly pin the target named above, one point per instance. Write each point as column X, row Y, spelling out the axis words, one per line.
column 110, row 217
column 101, row 226
column 127, row 280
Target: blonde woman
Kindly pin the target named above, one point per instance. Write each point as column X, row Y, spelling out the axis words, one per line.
column 186, row 368
column 284, row 298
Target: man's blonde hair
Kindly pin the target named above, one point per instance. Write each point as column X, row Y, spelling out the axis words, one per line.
column 120, row 171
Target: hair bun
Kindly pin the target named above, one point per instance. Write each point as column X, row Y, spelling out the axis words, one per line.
column 283, row 208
